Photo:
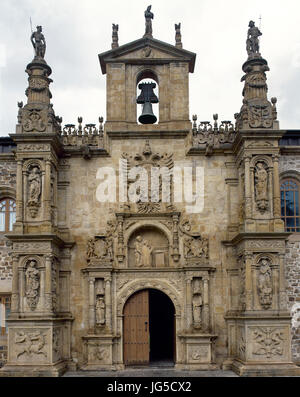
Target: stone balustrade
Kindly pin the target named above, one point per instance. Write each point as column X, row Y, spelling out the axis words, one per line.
column 213, row 136
column 80, row 135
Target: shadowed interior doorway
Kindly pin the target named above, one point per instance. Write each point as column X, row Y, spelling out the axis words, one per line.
column 149, row 329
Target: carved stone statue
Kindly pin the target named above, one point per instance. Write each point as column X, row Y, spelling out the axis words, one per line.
column 38, row 42
column 178, row 42
column 142, row 252
column 252, row 43
column 115, row 38
column 197, row 310
column 265, row 284
column 261, row 187
column 34, row 180
column 148, row 16
column 32, row 284
column 100, row 310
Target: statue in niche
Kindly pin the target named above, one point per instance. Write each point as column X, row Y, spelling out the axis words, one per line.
column 39, row 43
column 32, row 283
column 197, row 310
column 34, row 180
column 252, row 43
column 100, row 310
column 143, row 252
column 261, row 187
column 265, row 284
column 148, row 16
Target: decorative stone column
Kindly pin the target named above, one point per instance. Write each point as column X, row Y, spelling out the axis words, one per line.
column 47, row 191
column 248, row 200
column 205, row 304
column 19, row 193
column 248, row 280
column 48, row 289
column 108, row 303
column 91, row 304
column 15, row 285
column 189, row 310
column 276, row 186
column 282, row 285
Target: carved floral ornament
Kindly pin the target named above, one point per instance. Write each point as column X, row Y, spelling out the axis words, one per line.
column 268, row 341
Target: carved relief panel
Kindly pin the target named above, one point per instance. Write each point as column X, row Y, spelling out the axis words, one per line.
column 148, row 247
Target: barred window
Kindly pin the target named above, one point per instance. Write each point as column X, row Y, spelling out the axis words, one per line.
column 7, row 214
column 289, row 191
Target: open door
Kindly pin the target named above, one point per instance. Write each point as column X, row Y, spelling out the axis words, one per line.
column 136, row 329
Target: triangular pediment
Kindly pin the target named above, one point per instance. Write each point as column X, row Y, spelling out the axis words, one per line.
column 147, row 50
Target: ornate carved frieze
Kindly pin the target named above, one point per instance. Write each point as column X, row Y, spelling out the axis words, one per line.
column 33, row 147
column 32, row 246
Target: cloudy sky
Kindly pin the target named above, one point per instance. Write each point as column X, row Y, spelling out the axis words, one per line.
column 77, row 31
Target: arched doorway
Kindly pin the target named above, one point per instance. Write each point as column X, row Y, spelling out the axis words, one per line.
column 149, row 328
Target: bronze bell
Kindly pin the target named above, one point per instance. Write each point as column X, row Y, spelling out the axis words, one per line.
column 146, row 98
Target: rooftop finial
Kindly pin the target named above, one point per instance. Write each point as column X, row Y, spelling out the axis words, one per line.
column 115, row 38
column 39, row 43
column 148, row 16
column 252, row 43
column 178, row 42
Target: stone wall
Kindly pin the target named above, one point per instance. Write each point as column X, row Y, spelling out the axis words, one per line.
column 292, row 163
column 8, row 170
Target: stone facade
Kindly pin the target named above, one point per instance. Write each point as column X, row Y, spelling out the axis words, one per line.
column 222, row 260
column 290, row 166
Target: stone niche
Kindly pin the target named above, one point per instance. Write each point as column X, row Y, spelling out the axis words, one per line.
column 148, row 247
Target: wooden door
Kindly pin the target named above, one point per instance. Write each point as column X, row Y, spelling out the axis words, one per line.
column 136, row 329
